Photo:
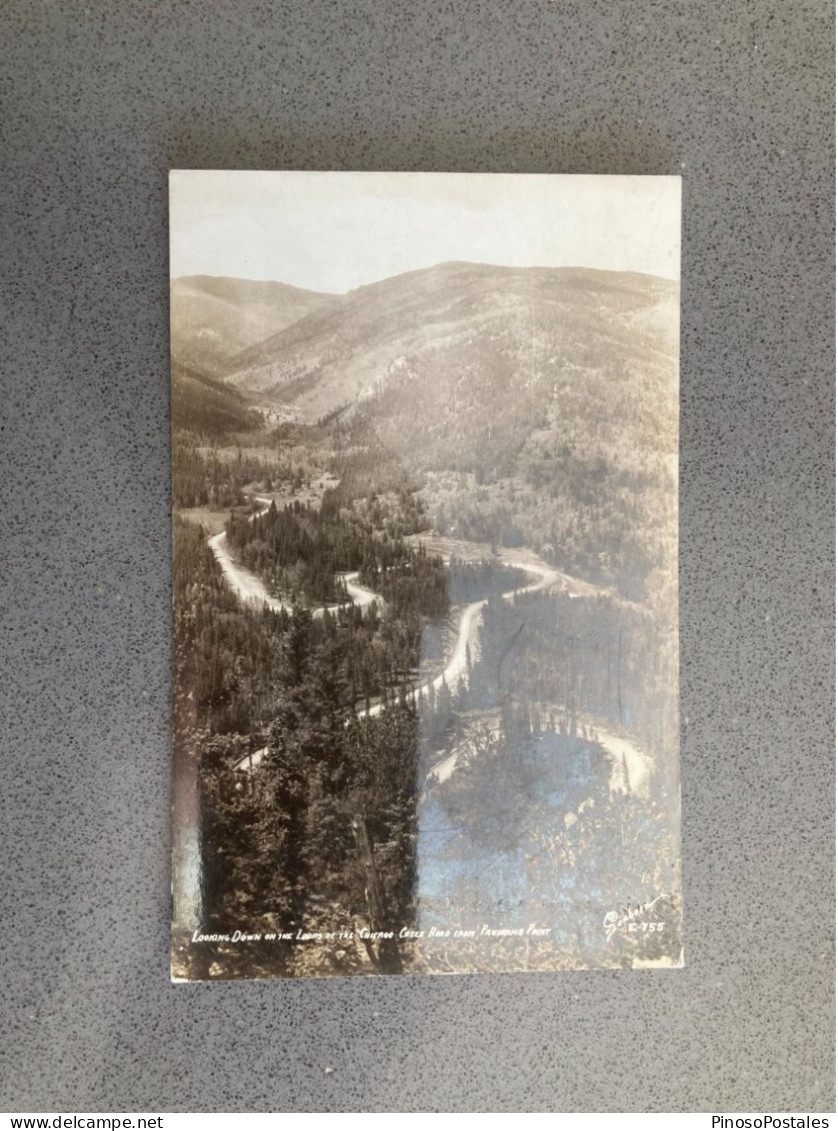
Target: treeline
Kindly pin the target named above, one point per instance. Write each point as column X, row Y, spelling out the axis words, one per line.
column 373, row 482
column 612, row 529
column 474, row 581
column 301, row 550
column 580, row 464
column 282, row 846
column 532, row 817
column 411, row 581
column 537, row 809
column 560, row 658
column 204, row 477
column 367, row 469
column 228, row 652
column 298, row 551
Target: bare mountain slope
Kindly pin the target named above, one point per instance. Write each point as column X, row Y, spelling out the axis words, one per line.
column 213, row 318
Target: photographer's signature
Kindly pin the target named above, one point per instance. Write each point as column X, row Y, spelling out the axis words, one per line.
column 633, row 919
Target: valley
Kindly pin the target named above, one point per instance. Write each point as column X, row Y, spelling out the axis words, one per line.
column 425, row 564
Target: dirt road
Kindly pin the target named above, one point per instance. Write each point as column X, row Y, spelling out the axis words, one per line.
column 251, row 589
column 627, row 759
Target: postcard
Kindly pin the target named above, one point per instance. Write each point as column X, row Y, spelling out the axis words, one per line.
column 425, row 517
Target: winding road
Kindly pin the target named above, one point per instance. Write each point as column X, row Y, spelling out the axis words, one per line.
column 251, row 589
column 626, row 757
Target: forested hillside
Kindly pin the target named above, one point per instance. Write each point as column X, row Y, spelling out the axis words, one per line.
column 328, row 358
column 534, row 406
column 206, row 407
column 466, row 741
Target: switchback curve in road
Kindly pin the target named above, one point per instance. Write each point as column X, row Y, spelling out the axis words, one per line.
column 251, row 589
column 625, row 755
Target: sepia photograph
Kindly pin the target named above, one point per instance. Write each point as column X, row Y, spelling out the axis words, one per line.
column 425, row 581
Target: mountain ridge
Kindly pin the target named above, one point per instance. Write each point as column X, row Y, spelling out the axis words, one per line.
column 213, row 317
column 328, row 357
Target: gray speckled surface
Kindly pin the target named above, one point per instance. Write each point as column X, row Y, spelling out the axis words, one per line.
column 100, row 100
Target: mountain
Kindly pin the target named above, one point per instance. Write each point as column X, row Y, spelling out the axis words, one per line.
column 214, row 318
column 468, row 312
column 533, row 406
